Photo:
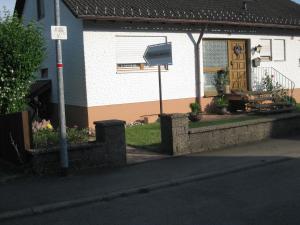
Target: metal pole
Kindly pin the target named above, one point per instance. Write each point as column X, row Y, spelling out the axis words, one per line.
column 160, row 91
column 62, row 118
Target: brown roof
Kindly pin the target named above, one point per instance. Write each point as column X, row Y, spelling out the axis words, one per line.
column 260, row 13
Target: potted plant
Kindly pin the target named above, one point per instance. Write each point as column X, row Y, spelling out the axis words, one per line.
column 221, row 104
column 195, row 114
column 221, row 82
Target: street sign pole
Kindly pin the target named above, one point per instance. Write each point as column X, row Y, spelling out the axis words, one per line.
column 158, row 55
column 160, row 90
column 62, row 118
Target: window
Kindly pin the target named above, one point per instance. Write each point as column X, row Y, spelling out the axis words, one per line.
column 40, row 9
column 44, row 73
column 130, row 51
column 265, row 53
column 215, row 58
column 278, row 50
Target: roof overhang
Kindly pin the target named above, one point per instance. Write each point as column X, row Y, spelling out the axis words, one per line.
column 19, row 7
column 188, row 22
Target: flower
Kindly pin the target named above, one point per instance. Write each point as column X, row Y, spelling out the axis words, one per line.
column 49, row 126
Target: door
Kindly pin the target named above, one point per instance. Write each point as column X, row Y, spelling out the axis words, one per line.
column 237, row 58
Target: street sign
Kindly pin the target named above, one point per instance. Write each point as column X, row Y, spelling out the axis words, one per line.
column 59, row 33
column 160, row 54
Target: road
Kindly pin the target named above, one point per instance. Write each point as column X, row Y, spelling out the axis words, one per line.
column 268, row 195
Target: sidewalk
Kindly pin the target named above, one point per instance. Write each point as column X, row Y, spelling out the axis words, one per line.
column 39, row 194
column 8, row 172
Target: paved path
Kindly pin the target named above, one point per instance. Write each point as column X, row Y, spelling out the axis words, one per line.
column 47, row 192
column 137, row 155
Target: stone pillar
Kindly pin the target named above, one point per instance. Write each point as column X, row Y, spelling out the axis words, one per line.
column 112, row 134
column 174, row 133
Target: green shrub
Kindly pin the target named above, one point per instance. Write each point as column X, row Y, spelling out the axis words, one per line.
column 221, row 101
column 45, row 136
column 195, row 108
column 221, row 79
column 76, row 135
column 289, row 99
column 21, row 53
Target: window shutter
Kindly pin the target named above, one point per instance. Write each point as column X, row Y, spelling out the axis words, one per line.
column 278, row 50
column 266, row 48
column 131, row 49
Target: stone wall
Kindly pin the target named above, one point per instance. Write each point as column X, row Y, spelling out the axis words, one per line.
column 181, row 140
column 109, row 150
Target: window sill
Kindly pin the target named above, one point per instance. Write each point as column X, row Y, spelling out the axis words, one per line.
column 124, row 71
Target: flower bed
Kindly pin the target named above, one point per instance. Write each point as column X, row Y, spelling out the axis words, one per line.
column 45, row 136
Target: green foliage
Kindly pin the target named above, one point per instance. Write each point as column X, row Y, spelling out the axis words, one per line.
column 221, row 80
column 45, row 137
column 195, row 108
column 221, row 101
column 298, row 107
column 22, row 51
column 76, row 136
column 268, row 83
column 289, row 99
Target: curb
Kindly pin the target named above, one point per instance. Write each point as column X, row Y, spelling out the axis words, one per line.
column 40, row 209
column 10, row 178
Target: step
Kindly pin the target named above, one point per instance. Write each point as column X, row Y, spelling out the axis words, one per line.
column 255, row 93
column 261, row 99
column 290, row 109
column 269, row 105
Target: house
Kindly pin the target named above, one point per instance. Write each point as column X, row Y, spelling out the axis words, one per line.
column 106, row 76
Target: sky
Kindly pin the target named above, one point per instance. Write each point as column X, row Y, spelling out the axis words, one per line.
column 9, row 4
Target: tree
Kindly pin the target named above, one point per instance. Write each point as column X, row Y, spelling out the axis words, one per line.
column 21, row 53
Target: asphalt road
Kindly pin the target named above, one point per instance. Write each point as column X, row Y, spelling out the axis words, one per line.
column 267, row 195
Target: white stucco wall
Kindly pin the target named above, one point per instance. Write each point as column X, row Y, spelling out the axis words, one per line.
column 106, row 87
column 74, row 77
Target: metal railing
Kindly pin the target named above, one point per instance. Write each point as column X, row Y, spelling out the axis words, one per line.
column 268, row 79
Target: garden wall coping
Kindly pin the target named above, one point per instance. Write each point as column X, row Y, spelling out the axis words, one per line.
column 243, row 123
column 109, row 123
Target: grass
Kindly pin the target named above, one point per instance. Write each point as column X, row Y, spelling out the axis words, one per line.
column 221, row 121
column 298, row 107
column 143, row 135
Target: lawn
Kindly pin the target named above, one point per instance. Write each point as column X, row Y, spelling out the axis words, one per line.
column 147, row 135
column 221, row 121
column 298, row 107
